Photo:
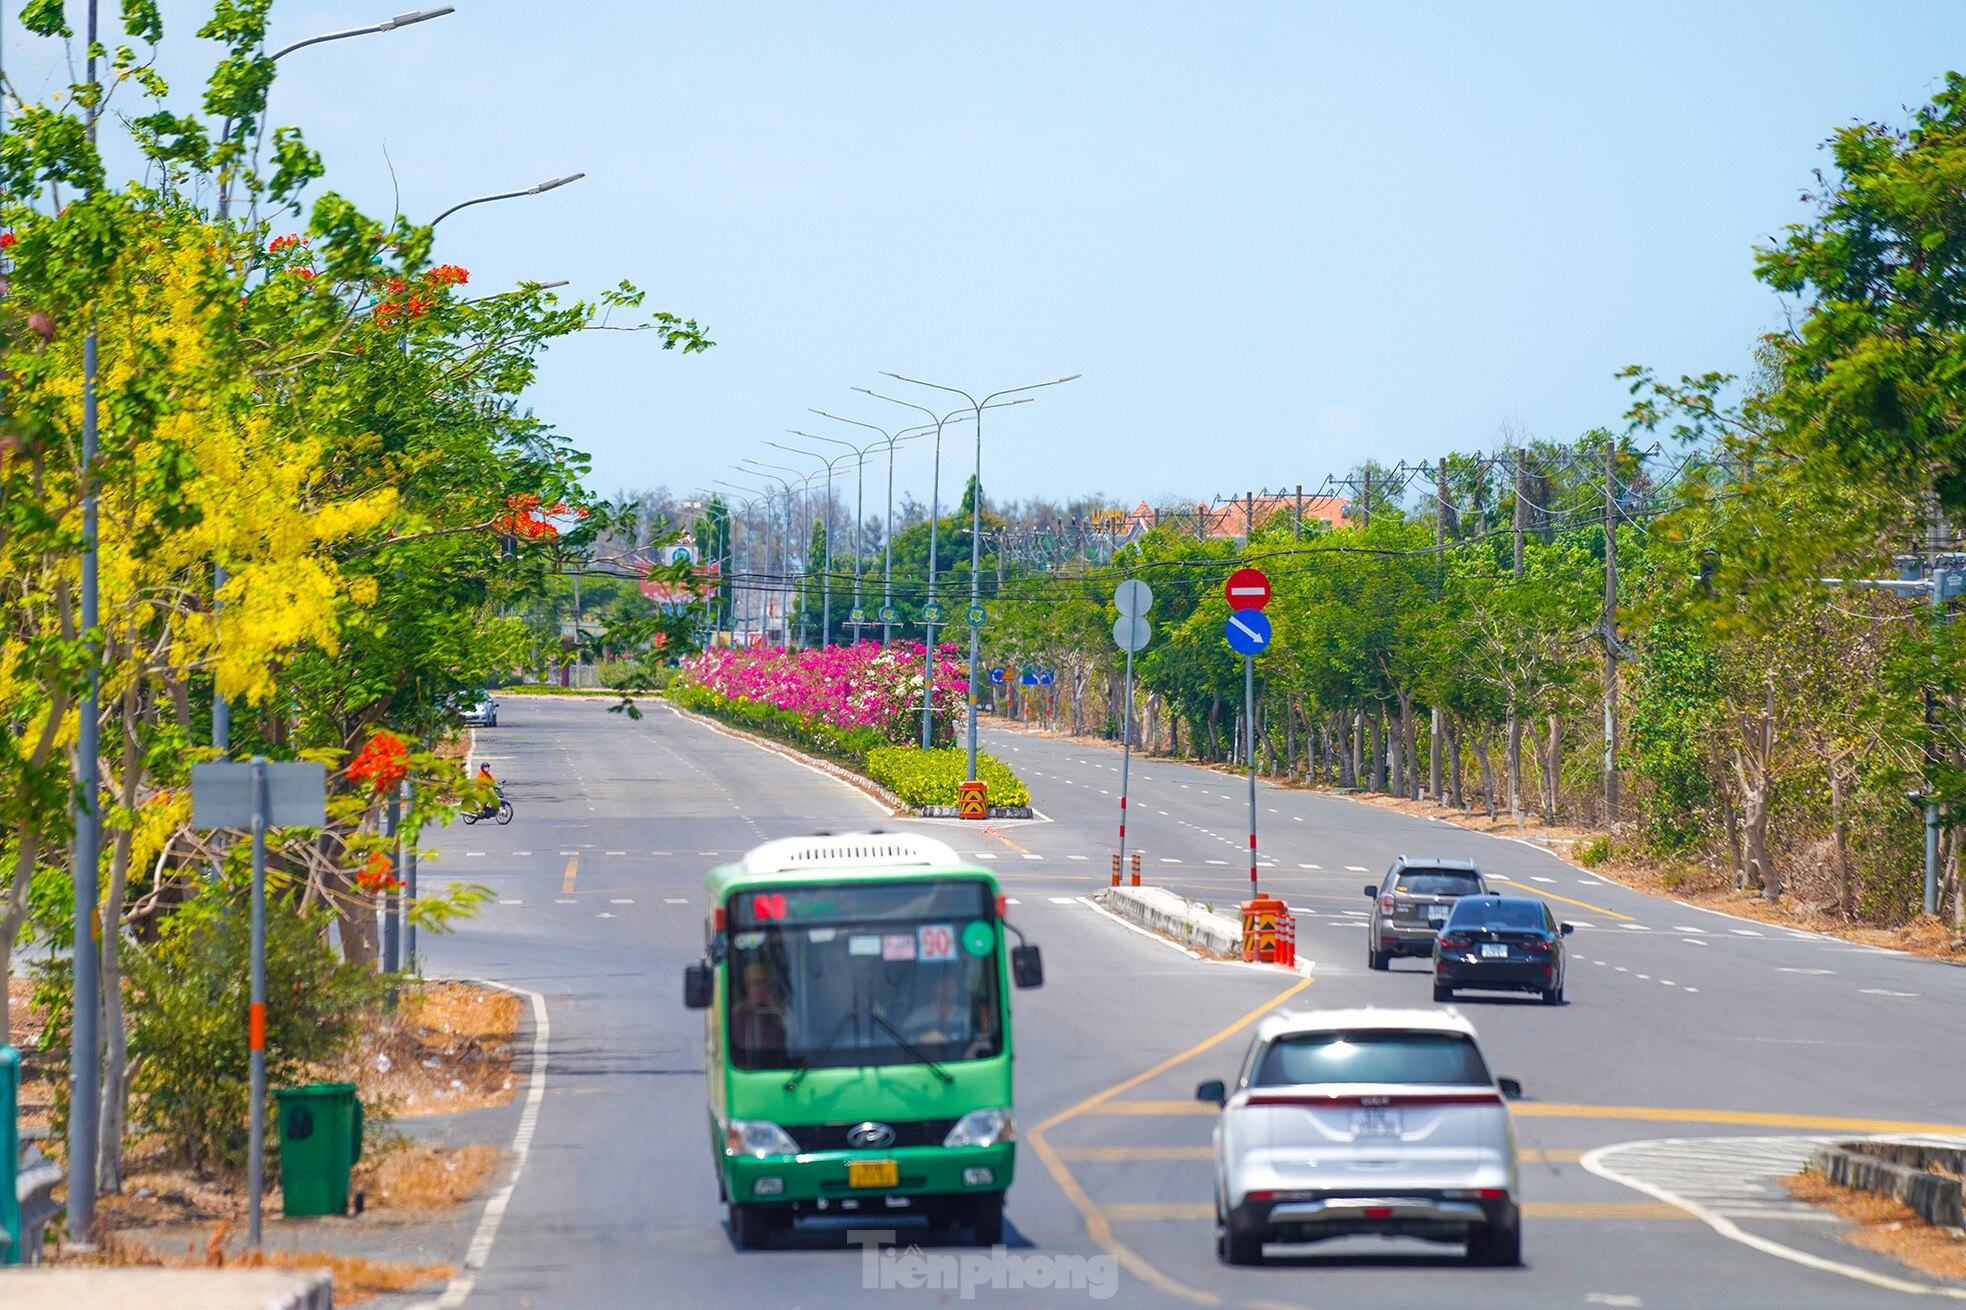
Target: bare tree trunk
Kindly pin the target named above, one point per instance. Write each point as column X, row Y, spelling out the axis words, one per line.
column 1553, row 769
column 1454, row 777
column 1512, row 764
column 1409, row 750
column 1487, row 771
column 1214, row 719
column 1839, row 822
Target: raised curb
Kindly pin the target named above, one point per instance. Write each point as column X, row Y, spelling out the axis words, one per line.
column 1901, row 1171
column 1187, row 922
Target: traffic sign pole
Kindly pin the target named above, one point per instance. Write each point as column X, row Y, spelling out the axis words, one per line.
column 1249, row 746
column 1248, row 633
column 1133, row 599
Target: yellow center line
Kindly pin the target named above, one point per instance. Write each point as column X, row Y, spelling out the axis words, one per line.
column 573, row 867
column 1096, row 1225
column 1582, row 905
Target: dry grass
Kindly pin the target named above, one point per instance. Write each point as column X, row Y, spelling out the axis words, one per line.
column 356, row 1278
column 406, row 1175
column 1885, row 1226
column 447, row 1048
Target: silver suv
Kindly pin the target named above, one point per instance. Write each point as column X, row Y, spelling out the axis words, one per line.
column 1365, row 1121
column 1411, row 903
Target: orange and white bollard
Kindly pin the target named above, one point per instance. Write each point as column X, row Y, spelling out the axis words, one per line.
column 1287, row 941
column 1116, row 868
column 1136, row 868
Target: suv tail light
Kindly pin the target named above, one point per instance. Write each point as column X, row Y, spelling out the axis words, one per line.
column 1456, row 943
column 1387, row 903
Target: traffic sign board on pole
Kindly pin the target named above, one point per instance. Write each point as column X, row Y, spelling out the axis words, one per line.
column 1248, row 632
column 931, row 613
column 889, row 614
column 1247, row 589
column 1131, row 632
column 976, row 614
column 1133, row 597
column 856, row 616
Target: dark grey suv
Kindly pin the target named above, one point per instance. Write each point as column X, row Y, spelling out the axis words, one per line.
column 1412, row 902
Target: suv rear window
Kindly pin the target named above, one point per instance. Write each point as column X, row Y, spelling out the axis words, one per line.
column 1512, row 914
column 1372, row 1057
column 1438, row 882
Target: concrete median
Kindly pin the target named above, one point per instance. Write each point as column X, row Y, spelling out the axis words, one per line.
column 1925, row 1177
column 1190, row 923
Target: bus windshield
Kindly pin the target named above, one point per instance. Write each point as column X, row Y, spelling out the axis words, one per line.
column 845, row 975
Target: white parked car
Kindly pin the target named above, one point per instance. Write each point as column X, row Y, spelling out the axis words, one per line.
column 1365, row 1121
column 481, row 712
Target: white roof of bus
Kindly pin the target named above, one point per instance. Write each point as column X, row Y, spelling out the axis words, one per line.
column 852, row 850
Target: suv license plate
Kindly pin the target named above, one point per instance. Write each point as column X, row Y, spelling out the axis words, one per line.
column 1436, row 914
column 1494, row 951
column 873, row 1173
column 1374, row 1121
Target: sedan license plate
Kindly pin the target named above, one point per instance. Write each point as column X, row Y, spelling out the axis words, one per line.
column 1494, row 951
column 1375, row 1121
column 1436, row 914
column 873, row 1173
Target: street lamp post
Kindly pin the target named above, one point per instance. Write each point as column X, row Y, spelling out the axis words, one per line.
column 976, row 526
column 791, row 532
column 826, row 605
column 537, row 188
column 887, row 534
column 750, row 503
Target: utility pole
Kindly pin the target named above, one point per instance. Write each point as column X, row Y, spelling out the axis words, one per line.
column 1434, row 744
column 1365, row 500
column 1610, row 630
column 1297, row 528
column 1514, row 770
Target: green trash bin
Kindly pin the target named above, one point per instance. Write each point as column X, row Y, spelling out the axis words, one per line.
column 320, row 1141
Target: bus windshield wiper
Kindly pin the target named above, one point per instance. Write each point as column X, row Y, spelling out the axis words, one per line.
column 825, row 1049
column 921, row 1057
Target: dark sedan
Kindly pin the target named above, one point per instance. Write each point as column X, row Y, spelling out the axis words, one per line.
column 1501, row 943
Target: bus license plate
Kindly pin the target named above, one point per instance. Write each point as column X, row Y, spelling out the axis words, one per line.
column 873, row 1173
column 1375, row 1121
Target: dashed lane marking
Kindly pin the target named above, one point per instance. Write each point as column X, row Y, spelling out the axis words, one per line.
column 614, row 852
column 473, row 855
column 621, row 900
column 1063, row 900
column 1746, row 932
column 1077, row 857
column 675, row 900
column 1537, row 877
column 565, row 900
column 1356, row 868
column 503, row 902
column 1793, row 969
column 1680, row 927
column 1879, row 991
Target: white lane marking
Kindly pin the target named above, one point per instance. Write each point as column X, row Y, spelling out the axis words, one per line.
column 605, row 914
column 472, row 855
column 1880, row 991
column 1011, row 900
column 577, row 852
column 522, row 852
column 1621, row 968
column 1063, row 900
column 1029, row 856
column 1356, row 868
column 1307, row 866
column 1537, row 877
column 1298, row 817
column 675, row 900
column 1746, row 932
column 1078, row 857
column 1163, row 814
column 1693, row 941
column 458, row 1290
column 1169, row 859
column 511, row 902
column 1601, row 1163
column 1636, row 927
column 566, row 900
column 621, row 900
column 1582, row 923
column 614, row 852
column 706, row 852
column 982, row 855
column 1680, row 927
column 1793, row 969
column 1692, row 989
column 1644, row 977
column 1211, row 861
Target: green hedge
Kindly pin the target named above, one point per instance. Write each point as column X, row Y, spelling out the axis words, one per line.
column 848, row 746
column 921, row 777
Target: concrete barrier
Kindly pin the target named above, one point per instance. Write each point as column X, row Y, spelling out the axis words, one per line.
column 62, row 1287
column 1902, row 1171
column 1188, row 922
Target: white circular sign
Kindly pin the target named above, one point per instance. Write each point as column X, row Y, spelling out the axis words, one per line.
column 1133, row 597
column 1131, row 632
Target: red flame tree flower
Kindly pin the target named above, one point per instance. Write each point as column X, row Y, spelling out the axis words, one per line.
column 382, row 764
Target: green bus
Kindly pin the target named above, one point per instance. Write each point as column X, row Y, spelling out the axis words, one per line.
column 858, row 1033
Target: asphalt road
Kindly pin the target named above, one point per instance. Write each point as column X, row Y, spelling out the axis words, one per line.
column 1695, row 1058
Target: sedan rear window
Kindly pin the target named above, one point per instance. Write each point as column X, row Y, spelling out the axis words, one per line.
column 1438, row 882
column 1507, row 915
column 1373, row 1057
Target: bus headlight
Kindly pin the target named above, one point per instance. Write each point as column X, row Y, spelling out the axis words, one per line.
column 758, row 1137
column 982, row 1128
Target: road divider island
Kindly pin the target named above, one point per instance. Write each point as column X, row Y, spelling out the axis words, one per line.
column 859, row 707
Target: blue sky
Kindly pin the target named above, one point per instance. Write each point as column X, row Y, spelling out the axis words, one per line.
column 1276, row 238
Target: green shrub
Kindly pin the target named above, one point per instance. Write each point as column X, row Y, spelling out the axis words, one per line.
column 1592, row 851
column 922, row 778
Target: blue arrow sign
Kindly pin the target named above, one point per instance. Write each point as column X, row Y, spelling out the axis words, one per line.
column 1044, row 679
column 1030, row 676
column 1248, row 632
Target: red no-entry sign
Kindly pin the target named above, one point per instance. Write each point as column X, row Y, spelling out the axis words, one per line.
column 1248, row 589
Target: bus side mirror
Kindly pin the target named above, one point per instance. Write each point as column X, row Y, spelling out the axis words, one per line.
column 1026, row 966
column 698, row 983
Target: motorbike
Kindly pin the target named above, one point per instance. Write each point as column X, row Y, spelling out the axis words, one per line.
column 500, row 813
